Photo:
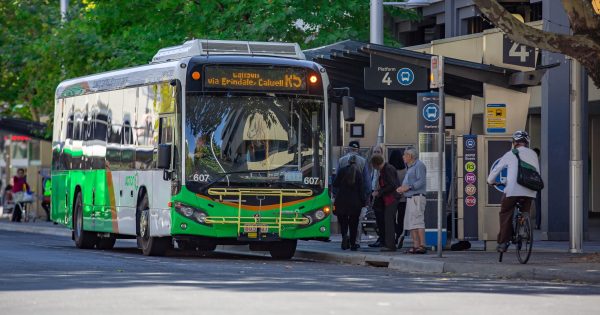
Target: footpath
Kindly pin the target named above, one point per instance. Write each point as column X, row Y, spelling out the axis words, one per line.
column 549, row 260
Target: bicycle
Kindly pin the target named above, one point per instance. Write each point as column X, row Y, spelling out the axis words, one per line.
column 522, row 235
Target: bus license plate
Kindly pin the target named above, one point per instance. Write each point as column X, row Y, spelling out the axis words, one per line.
column 254, row 228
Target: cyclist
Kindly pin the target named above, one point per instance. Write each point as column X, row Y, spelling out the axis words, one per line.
column 513, row 192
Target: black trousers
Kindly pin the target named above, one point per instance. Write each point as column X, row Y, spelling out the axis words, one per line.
column 349, row 222
column 507, row 208
column 390, row 224
column 380, row 222
column 46, row 206
column 400, row 218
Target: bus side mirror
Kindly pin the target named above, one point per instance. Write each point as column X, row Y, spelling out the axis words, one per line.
column 348, row 108
column 164, row 156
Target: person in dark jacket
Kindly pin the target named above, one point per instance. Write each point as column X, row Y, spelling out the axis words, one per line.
column 348, row 202
column 377, row 204
column 397, row 161
column 388, row 182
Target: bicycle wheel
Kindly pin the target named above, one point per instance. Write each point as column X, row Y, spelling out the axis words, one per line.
column 524, row 239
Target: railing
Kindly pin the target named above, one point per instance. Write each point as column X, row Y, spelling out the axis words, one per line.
column 256, row 222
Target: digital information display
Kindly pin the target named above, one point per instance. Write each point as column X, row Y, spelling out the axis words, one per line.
column 246, row 78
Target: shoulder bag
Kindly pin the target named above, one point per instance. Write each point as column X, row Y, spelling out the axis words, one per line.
column 527, row 175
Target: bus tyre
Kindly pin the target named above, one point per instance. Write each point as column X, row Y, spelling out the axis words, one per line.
column 83, row 239
column 107, row 242
column 151, row 246
column 284, row 249
column 185, row 245
column 207, row 247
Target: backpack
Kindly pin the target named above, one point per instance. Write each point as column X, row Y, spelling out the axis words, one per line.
column 527, row 175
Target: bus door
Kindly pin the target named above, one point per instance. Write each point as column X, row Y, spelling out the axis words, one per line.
column 162, row 184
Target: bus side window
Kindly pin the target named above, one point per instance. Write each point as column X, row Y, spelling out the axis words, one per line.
column 113, row 148
column 127, row 149
column 166, row 130
column 70, row 127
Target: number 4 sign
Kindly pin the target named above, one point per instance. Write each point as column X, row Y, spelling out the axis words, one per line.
column 517, row 54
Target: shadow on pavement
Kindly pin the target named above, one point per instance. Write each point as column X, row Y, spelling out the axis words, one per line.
column 33, row 262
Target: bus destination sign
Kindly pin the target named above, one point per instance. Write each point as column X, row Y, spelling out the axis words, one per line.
column 246, row 78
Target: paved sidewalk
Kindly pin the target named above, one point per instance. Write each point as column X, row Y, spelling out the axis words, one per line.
column 549, row 261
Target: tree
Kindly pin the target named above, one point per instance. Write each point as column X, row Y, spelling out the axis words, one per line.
column 583, row 44
column 38, row 51
column 26, row 59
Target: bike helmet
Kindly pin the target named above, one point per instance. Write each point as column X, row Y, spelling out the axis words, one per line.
column 521, row 136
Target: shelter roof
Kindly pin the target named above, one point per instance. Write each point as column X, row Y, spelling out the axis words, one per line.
column 345, row 62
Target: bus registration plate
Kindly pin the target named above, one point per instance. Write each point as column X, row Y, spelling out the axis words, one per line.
column 254, row 228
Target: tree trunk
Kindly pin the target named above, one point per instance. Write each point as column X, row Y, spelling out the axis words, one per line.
column 584, row 45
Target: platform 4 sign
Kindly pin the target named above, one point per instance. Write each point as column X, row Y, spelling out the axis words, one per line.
column 394, row 75
column 517, row 54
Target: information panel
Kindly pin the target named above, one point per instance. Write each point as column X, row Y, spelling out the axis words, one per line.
column 248, row 78
column 495, row 118
column 428, row 115
column 470, row 194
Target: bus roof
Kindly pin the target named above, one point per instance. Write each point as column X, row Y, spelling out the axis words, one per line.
column 116, row 79
column 161, row 72
column 204, row 47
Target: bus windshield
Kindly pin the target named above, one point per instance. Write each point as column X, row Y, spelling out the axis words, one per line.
column 267, row 138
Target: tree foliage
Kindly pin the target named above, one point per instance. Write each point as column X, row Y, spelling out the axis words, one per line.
column 583, row 44
column 38, row 51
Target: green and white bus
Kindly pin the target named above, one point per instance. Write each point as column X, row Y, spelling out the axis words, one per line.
column 213, row 142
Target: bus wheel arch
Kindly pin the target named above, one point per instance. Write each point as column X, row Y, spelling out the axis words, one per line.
column 83, row 239
column 142, row 193
column 150, row 245
column 284, row 249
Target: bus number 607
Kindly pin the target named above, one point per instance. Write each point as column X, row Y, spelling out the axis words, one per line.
column 311, row 180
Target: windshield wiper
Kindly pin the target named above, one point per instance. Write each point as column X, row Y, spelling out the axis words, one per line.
column 221, row 176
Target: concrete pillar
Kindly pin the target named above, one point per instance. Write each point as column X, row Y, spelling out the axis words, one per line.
column 449, row 17
column 555, row 132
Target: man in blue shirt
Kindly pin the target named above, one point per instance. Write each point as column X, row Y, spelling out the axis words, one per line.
column 414, row 189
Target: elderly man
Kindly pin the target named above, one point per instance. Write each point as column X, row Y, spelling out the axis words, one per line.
column 413, row 188
column 361, row 164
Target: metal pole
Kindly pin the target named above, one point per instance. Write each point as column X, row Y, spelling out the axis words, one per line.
column 453, row 188
column 380, row 132
column 64, row 7
column 377, row 22
column 441, row 143
column 576, row 164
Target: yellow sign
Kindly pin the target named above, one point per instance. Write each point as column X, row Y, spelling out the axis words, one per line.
column 596, row 5
column 495, row 118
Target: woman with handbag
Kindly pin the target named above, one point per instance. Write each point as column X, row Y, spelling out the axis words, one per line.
column 377, row 203
column 388, row 182
column 397, row 161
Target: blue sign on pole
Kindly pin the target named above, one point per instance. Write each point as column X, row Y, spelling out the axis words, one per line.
column 431, row 112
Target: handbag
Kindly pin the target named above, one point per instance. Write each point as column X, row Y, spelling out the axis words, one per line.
column 527, row 175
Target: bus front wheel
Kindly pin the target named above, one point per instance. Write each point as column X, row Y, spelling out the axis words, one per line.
column 83, row 238
column 151, row 246
column 284, row 249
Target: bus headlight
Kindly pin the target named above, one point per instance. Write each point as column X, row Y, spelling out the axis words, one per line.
column 200, row 217
column 192, row 213
column 319, row 215
column 316, row 216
